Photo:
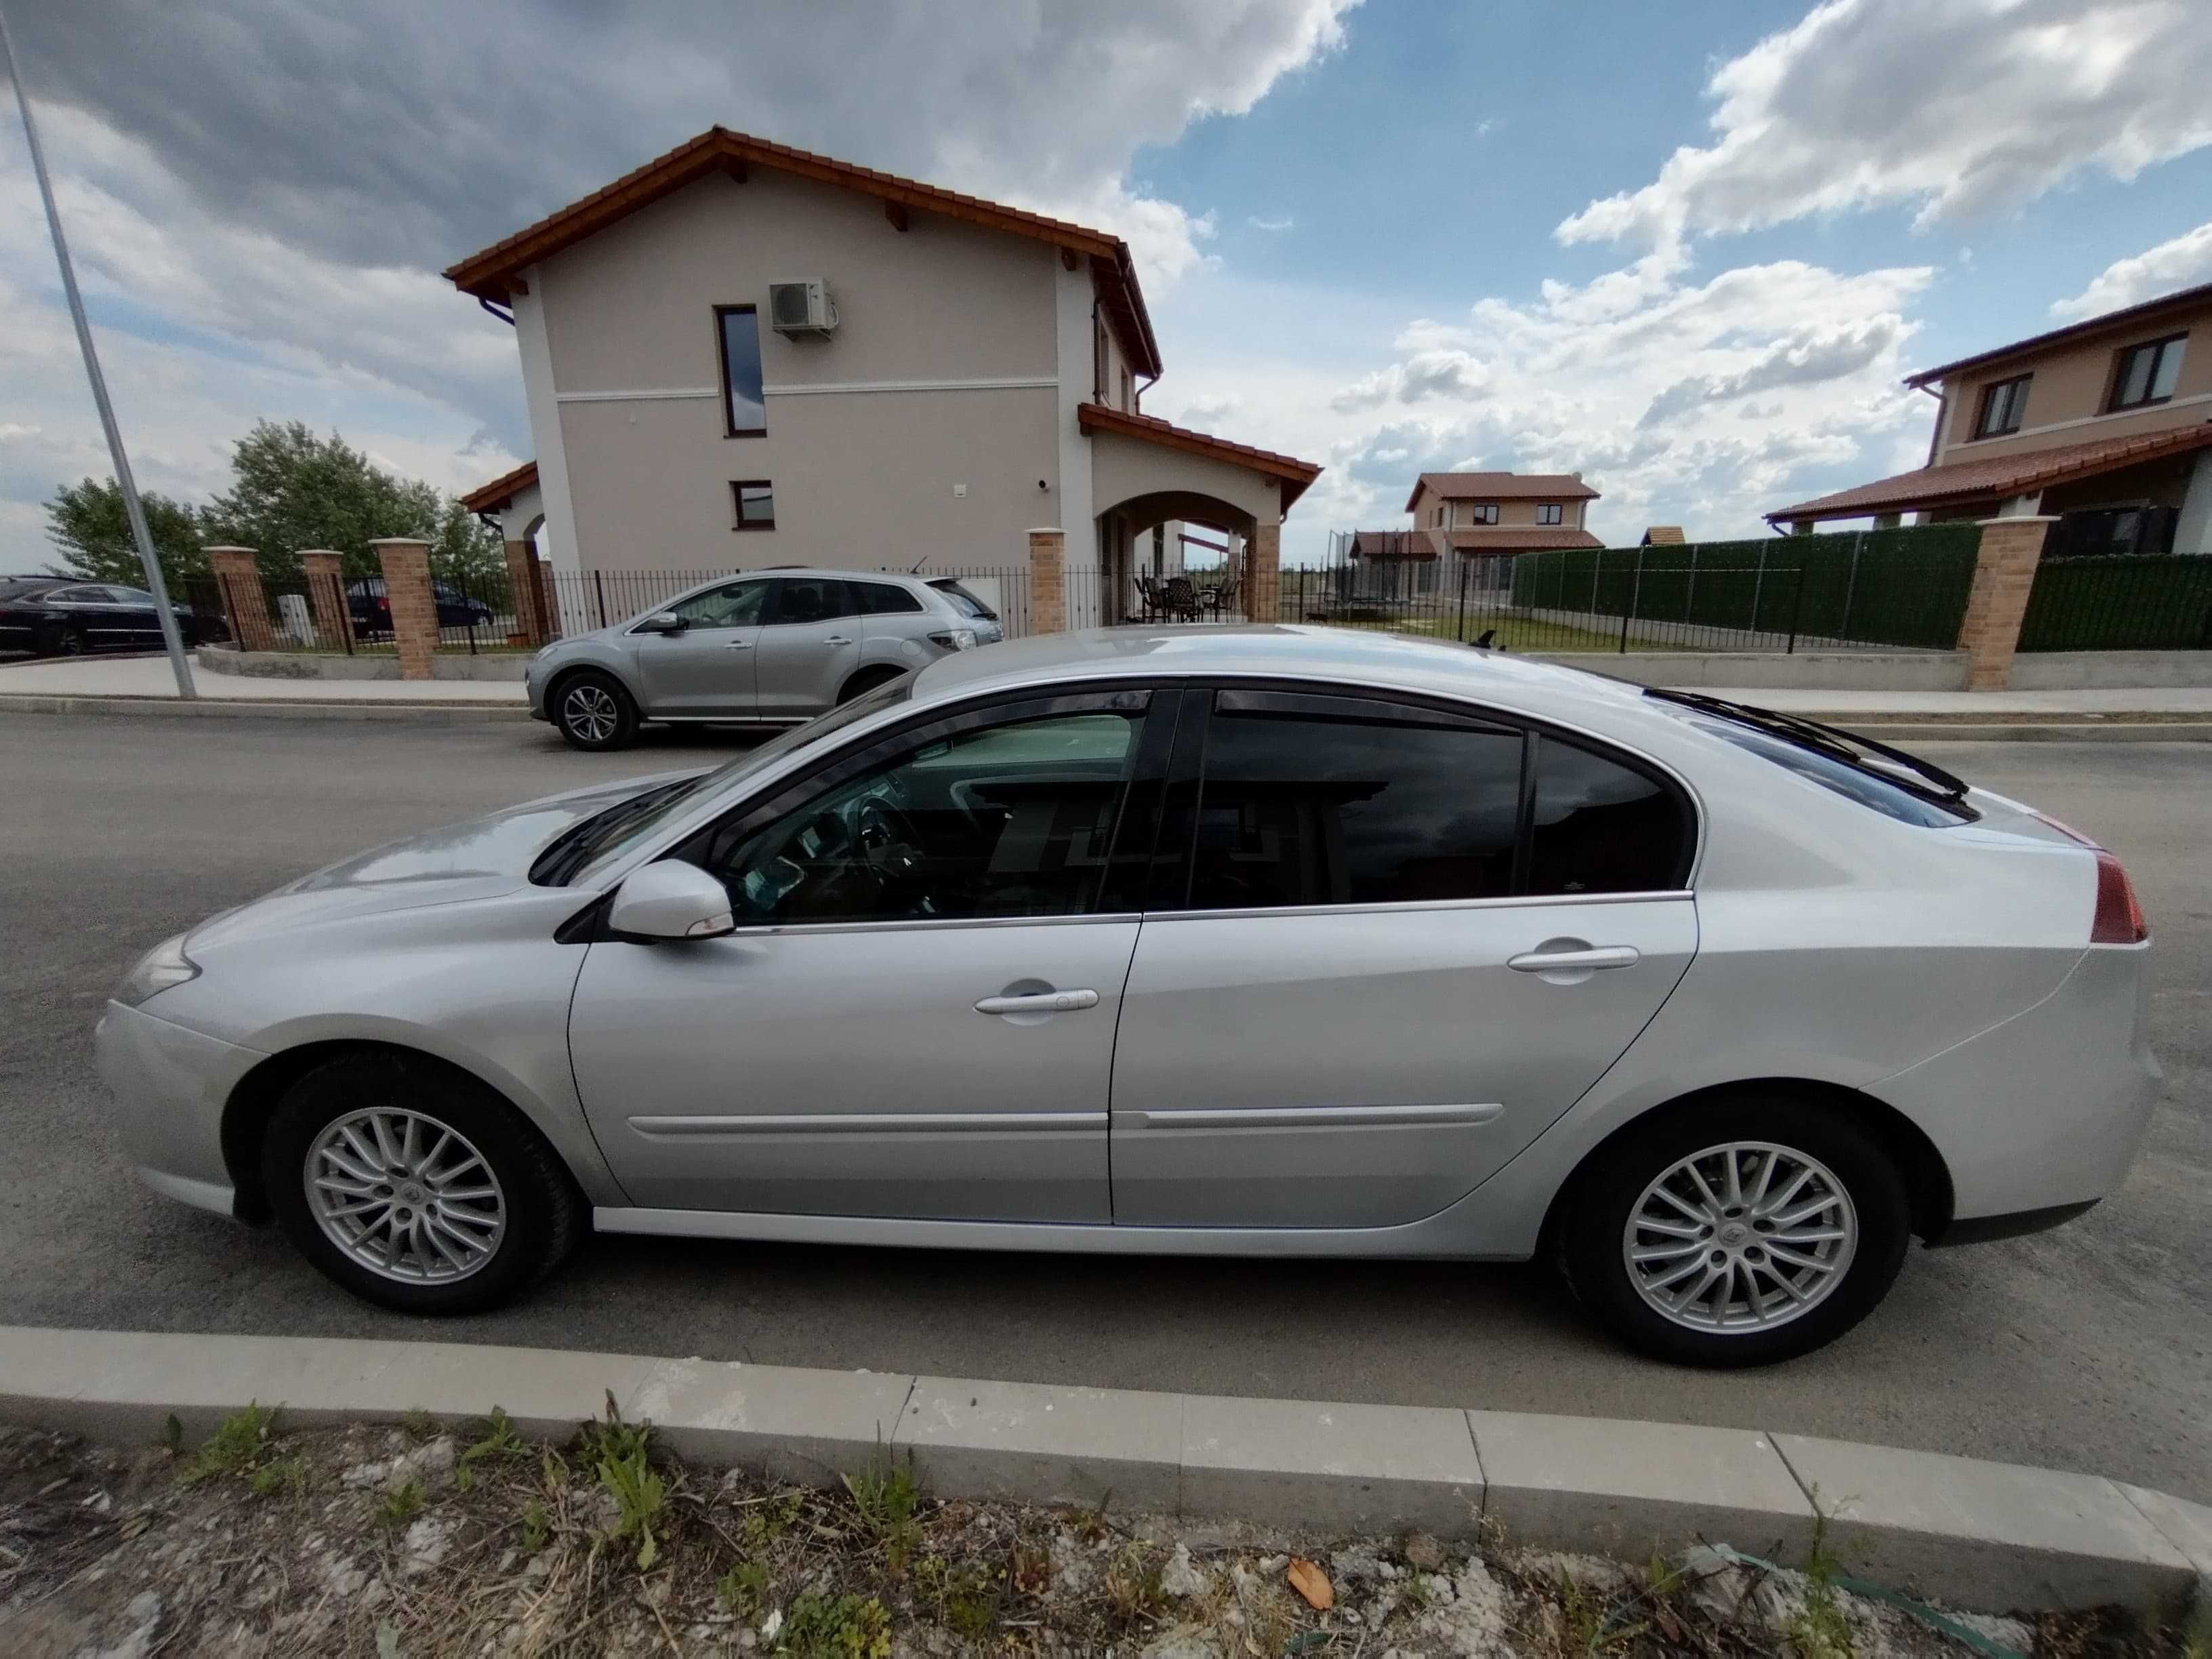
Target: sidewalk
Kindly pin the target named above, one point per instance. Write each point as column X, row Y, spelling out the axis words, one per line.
column 150, row 676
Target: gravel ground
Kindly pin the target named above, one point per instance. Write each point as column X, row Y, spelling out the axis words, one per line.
column 465, row 1538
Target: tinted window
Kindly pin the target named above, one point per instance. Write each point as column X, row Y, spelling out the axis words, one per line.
column 808, row 599
column 1600, row 827
column 737, row 606
column 81, row 596
column 964, row 602
column 747, row 410
column 1343, row 800
column 1009, row 820
column 882, row 600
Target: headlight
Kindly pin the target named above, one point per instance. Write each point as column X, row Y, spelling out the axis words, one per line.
column 163, row 966
column 955, row 638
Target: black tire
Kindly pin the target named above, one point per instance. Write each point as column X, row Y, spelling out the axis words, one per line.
column 1591, row 1223
column 594, row 711
column 60, row 641
column 544, row 1213
column 867, row 680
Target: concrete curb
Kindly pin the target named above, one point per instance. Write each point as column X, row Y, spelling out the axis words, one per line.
column 1990, row 1536
column 428, row 712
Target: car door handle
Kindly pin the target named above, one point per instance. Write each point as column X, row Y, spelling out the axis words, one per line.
column 1549, row 962
column 1039, row 1002
column 836, row 638
column 737, row 645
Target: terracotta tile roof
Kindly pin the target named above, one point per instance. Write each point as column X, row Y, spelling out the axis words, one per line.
column 1958, row 482
column 491, row 273
column 1663, row 534
column 489, row 498
column 1519, row 539
column 2188, row 299
column 1293, row 475
column 1393, row 544
column 1501, row 487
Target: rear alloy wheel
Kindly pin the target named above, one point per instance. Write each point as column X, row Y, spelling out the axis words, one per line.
column 1739, row 1234
column 413, row 1187
column 63, row 642
column 594, row 711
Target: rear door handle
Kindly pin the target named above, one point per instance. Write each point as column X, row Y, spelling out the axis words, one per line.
column 1547, row 962
column 1039, row 1002
column 737, row 645
column 836, row 638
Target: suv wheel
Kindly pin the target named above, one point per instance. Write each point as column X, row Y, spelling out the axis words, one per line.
column 1739, row 1233
column 414, row 1188
column 867, row 680
column 595, row 711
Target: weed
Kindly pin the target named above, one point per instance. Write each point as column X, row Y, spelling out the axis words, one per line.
column 639, row 1493
column 965, row 1596
column 500, row 1443
column 771, row 1517
column 281, row 1474
column 1420, row 1593
column 419, row 1424
column 1132, row 1583
column 172, row 1433
column 402, row 1505
column 553, row 1471
column 1031, row 1569
column 743, row 1588
column 536, row 1527
column 885, row 1500
column 1821, row 1630
column 2197, row 1638
column 236, row 1447
column 818, row 1627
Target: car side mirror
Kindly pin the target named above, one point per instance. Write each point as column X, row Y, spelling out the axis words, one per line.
column 670, row 900
column 663, row 622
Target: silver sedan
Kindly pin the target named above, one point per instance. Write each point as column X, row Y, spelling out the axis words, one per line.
column 1264, row 942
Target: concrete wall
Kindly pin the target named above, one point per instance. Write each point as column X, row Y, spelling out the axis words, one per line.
column 2071, row 671
column 1123, row 468
column 1811, row 671
column 2066, row 402
column 943, row 373
column 492, row 666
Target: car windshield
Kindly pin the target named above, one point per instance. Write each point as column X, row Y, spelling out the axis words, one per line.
column 577, row 856
column 964, row 602
column 1889, row 781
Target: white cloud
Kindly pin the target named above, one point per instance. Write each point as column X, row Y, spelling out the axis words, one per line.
column 1959, row 108
column 1259, row 223
column 2186, row 259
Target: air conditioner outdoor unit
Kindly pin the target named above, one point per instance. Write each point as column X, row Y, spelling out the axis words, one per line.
column 801, row 308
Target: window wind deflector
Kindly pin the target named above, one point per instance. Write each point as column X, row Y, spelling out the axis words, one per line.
column 579, row 843
column 1846, row 746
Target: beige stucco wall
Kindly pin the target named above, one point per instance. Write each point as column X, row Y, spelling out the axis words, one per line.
column 2071, row 386
column 1123, row 468
column 1460, row 515
column 860, row 481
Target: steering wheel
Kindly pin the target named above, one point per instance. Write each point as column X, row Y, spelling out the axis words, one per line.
column 887, row 838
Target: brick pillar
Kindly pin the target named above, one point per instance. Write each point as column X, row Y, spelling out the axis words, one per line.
column 523, row 592
column 1263, row 573
column 414, row 608
column 1047, row 581
column 238, row 579
column 2004, row 572
column 327, row 596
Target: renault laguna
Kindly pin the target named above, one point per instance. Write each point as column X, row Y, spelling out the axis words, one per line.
column 1271, row 941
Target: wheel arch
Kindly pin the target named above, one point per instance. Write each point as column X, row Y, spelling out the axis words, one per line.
column 1927, row 1177
column 568, row 671
column 867, row 677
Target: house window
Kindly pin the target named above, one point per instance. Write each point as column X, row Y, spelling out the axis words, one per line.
column 745, row 408
column 2148, row 372
column 1480, row 513
column 1548, row 512
column 2003, row 405
column 755, row 504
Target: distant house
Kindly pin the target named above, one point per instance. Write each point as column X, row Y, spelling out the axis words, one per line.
column 2102, row 424
column 1662, row 535
column 1481, row 519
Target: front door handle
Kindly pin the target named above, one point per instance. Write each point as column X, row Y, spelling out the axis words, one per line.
column 1039, row 1002
column 1551, row 962
column 836, row 638
column 737, row 645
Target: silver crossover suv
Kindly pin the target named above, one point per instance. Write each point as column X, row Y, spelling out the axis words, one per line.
column 1267, row 942
column 777, row 646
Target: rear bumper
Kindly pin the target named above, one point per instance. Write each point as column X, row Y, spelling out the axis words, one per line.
column 170, row 1085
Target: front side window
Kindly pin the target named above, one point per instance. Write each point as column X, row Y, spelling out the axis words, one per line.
column 808, row 599
column 1345, row 800
column 1549, row 512
column 1007, row 820
column 734, row 605
column 755, row 500
column 744, row 402
column 2148, row 372
column 2002, row 406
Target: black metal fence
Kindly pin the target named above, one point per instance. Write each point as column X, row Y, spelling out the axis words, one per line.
column 302, row 610
column 2120, row 604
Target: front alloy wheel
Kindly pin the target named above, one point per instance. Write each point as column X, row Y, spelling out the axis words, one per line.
column 407, row 1197
column 594, row 711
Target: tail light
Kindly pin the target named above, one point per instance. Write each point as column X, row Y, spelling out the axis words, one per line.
column 2119, row 917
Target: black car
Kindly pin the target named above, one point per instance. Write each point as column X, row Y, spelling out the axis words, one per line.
column 64, row 617
column 372, row 610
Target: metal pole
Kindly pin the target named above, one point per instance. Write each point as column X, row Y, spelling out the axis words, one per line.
column 131, row 507
column 599, row 588
column 1463, row 566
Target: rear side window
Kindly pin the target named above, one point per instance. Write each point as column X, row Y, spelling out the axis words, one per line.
column 882, row 600
column 1598, row 826
column 1340, row 800
column 964, row 602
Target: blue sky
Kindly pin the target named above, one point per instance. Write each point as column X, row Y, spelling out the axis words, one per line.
column 1687, row 248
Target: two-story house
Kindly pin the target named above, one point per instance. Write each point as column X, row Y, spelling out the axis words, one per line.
column 2104, row 425
column 744, row 354
column 1481, row 519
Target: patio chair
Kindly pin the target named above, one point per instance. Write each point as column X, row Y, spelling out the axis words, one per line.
column 1221, row 598
column 1179, row 600
column 1148, row 598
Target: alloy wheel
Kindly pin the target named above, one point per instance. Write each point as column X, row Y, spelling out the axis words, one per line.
column 590, row 713
column 1739, row 1238
column 407, row 1197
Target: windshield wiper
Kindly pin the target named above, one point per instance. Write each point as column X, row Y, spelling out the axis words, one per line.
column 1838, row 745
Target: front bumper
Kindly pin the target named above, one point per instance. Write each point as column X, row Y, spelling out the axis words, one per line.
column 170, row 1085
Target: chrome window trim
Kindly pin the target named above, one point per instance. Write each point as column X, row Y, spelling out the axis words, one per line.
column 926, row 924
column 1401, row 906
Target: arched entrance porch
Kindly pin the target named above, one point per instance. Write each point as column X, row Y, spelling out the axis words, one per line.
column 1134, row 540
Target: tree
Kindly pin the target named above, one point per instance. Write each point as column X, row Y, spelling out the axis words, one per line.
column 290, row 490
column 87, row 522
column 467, row 550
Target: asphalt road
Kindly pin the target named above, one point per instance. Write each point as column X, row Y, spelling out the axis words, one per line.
column 2088, row 1348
